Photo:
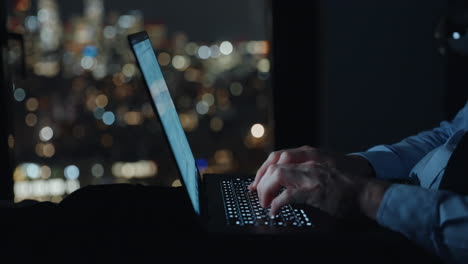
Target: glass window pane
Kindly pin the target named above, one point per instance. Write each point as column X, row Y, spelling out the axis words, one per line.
column 82, row 115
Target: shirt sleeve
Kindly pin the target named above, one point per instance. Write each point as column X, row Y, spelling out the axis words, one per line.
column 396, row 161
column 437, row 220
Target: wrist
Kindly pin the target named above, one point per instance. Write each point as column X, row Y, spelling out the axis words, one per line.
column 371, row 197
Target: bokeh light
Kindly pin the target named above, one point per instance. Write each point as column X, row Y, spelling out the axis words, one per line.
column 19, row 94
column 97, row 170
column 71, row 172
column 46, row 133
column 108, row 118
column 257, row 130
column 226, row 48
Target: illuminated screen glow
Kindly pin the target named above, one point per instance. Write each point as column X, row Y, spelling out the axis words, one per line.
column 169, row 118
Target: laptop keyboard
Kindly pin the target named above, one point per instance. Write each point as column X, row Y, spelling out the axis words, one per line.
column 243, row 208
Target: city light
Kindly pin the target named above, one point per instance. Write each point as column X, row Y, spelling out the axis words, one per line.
column 32, row 104
column 257, row 130
column 236, row 89
column 50, row 28
column 176, row 183
column 202, row 164
column 43, row 15
column 101, row 100
column 97, row 170
column 215, row 51
column 23, row 5
column 31, row 119
column 257, row 47
column 224, row 157
column 202, row 107
column 126, row 21
column 72, row 185
column 226, row 48
column 139, row 169
column 216, row 124
column 208, row 98
column 204, row 52
column 46, row 134
column 189, row 121
column 71, row 172
column 19, row 94
column 88, row 62
column 57, row 187
column 31, row 23
column 47, row 68
column 191, row 48
column 46, row 172
column 192, row 75
column 263, row 65
column 108, row 118
column 133, row 118
column 46, row 150
column 90, row 51
column 110, row 32
column 180, row 62
column 164, row 58
column 40, row 189
column 39, row 149
column 19, row 174
column 11, row 141
column 32, row 170
column 100, row 71
column 129, row 70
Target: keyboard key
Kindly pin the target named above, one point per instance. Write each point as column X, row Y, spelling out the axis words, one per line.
column 243, row 207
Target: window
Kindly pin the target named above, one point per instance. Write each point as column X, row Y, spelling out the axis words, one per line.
column 82, row 116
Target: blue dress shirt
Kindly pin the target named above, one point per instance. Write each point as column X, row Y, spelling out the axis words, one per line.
column 437, row 220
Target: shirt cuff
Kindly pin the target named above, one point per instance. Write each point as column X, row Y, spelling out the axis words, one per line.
column 385, row 164
column 409, row 210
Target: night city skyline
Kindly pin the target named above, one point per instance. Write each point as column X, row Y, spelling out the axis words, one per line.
column 82, row 116
column 203, row 20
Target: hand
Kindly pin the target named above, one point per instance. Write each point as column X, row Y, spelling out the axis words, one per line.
column 352, row 164
column 311, row 183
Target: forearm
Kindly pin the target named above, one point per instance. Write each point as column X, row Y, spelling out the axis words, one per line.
column 395, row 161
column 436, row 220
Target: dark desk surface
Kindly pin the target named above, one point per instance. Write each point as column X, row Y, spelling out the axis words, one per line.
column 132, row 222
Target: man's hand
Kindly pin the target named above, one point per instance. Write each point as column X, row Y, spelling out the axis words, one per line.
column 351, row 164
column 336, row 184
column 310, row 183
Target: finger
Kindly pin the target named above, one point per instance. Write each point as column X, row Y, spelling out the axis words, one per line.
column 267, row 185
column 270, row 186
column 272, row 159
column 285, row 198
column 294, row 155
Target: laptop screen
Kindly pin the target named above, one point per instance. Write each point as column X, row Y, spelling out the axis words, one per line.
column 169, row 118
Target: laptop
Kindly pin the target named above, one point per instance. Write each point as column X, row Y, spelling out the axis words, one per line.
column 222, row 202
